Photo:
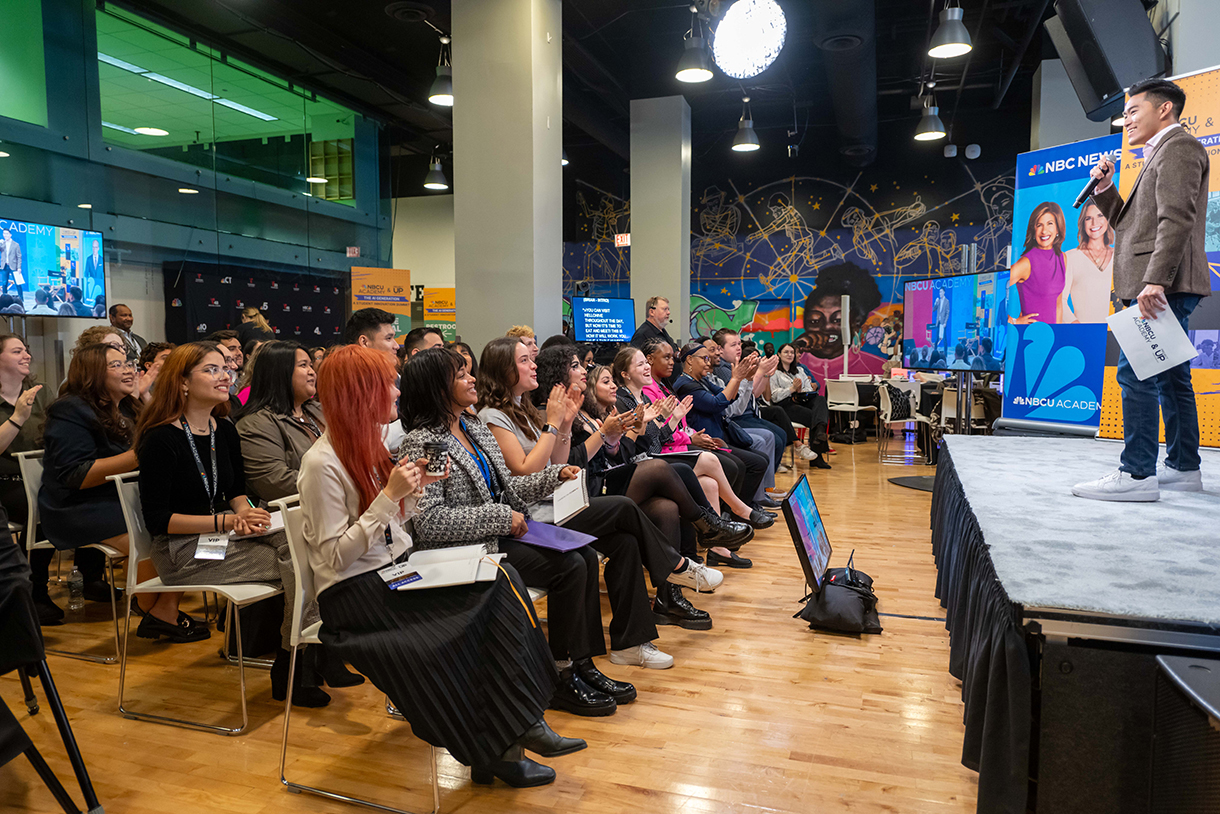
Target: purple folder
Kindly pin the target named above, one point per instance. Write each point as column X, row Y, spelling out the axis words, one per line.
column 544, row 535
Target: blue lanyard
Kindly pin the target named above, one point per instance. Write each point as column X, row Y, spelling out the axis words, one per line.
column 480, row 460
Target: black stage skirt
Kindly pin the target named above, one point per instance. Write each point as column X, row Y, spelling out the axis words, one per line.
column 467, row 665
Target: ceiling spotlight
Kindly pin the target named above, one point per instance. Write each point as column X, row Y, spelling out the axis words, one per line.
column 435, row 179
column 442, row 87
column 316, row 179
column 84, row 206
column 151, row 131
column 563, row 161
column 746, row 140
column 930, row 126
column 695, row 64
column 749, row 37
column 951, row 38
column 188, row 191
column 3, row 154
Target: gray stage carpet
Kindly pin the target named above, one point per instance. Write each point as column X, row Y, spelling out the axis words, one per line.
column 1052, row 549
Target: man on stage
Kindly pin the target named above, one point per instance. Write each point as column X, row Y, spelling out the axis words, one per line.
column 1159, row 262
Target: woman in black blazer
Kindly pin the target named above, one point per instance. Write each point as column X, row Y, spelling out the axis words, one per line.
column 88, row 437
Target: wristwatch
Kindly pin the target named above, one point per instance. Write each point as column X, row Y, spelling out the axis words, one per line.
column 552, row 430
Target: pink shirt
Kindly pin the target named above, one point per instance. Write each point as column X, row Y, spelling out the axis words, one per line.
column 681, row 439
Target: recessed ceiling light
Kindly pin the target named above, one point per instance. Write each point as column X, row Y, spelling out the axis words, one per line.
column 151, row 131
column 316, row 179
column 3, row 154
column 188, row 191
column 84, row 206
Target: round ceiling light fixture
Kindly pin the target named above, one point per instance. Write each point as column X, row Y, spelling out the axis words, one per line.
column 951, row 38
column 695, row 64
column 441, row 92
column 749, row 38
column 746, row 140
column 151, row 131
column 930, row 126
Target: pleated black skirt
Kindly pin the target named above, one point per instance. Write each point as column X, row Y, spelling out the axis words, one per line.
column 468, row 665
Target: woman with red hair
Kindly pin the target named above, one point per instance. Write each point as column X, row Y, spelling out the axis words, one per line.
column 466, row 664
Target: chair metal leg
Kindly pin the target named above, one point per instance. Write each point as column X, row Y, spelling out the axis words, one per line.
column 231, row 614
column 31, row 700
column 51, row 781
column 163, row 719
column 114, row 610
column 65, row 734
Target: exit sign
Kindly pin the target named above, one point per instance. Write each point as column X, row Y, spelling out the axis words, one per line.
column 623, row 239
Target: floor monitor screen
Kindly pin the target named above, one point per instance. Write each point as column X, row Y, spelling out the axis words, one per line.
column 955, row 323
column 808, row 532
column 51, row 271
column 602, row 319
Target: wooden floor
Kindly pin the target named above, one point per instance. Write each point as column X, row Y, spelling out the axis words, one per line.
column 759, row 714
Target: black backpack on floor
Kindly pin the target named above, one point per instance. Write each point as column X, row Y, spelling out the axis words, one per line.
column 846, row 603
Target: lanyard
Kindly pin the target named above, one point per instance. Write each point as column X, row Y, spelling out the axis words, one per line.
column 481, row 461
column 307, row 423
column 211, row 488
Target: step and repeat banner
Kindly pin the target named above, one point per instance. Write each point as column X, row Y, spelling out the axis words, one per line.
column 1060, row 366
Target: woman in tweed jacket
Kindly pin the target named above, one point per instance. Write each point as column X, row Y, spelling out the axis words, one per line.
column 482, row 502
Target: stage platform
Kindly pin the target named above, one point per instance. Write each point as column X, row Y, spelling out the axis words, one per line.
column 1057, row 608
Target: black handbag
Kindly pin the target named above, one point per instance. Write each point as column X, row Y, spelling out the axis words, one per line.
column 900, row 403
column 735, row 435
column 846, row 603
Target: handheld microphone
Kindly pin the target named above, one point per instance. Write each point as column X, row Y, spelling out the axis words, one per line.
column 1086, row 193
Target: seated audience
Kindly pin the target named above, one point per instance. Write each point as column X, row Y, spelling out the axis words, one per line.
column 231, row 345
column 254, row 326
column 795, row 392
column 193, row 484
column 418, row 339
column 415, row 644
column 552, row 341
column 42, row 303
column 656, row 318
column 88, row 437
column 316, row 355
column 483, row 502
column 467, row 355
column 745, row 408
column 526, row 334
column 373, row 328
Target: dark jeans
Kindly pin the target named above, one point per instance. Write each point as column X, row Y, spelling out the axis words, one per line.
column 1173, row 392
column 754, row 468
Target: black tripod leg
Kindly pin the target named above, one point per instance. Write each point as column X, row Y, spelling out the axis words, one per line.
column 51, row 781
column 31, row 700
column 65, row 732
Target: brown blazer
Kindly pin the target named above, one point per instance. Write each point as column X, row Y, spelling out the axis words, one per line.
column 272, row 445
column 1158, row 231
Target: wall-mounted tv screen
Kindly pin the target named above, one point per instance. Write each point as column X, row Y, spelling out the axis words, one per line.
column 955, row 323
column 51, row 271
column 602, row 319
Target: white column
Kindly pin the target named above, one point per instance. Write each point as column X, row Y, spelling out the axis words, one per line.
column 1057, row 116
column 660, row 207
column 508, row 187
column 1192, row 36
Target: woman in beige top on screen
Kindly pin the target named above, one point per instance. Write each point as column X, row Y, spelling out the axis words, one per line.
column 1090, row 268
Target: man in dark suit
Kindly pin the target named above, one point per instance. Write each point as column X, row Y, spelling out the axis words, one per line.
column 1159, row 263
column 121, row 319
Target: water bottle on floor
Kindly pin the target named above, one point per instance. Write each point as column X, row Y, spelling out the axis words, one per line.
column 76, row 590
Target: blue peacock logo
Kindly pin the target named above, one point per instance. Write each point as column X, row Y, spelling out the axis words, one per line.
column 1052, row 376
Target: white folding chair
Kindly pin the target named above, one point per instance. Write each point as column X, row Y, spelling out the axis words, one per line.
column 948, row 410
column 30, row 464
column 303, row 575
column 885, row 427
column 238, row 594
column 842, row 396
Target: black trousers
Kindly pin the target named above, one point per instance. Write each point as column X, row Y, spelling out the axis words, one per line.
column 574, row 621
column 812, row 416
column 754, row 468
column 628, row 539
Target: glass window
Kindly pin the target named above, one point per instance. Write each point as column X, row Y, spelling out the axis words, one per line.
column 163, row 95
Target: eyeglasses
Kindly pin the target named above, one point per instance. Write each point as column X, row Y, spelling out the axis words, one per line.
column 122, row 365
column 214, row 371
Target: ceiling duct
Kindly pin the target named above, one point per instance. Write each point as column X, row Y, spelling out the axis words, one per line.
column 846, row 36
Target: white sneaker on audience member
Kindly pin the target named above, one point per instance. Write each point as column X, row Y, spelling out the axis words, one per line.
column 643, row 655
column 1169, row 478
column 1119, row 487
column 698, row 576
column 805, row 453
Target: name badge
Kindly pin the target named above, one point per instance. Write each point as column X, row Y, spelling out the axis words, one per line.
column 398, row 575
column 212, row 546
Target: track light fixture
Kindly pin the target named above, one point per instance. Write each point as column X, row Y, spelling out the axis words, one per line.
column 563, row 161
column 746, row 140
column 695, row 64
column 441, row 92
column 951, row 38
column 435, row 179
column 930, row 126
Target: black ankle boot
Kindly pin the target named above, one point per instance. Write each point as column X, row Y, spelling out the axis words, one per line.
column 713, row 530
column 542, row 740
column 671, row 608
column 575, row 696
column 334, row 672
column 620, row 691
column 514, row 769
column 301, row 696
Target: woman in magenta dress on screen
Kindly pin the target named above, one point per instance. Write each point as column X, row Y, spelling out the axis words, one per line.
column 1040, row 273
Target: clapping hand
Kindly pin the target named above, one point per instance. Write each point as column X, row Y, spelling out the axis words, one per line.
column 683, row 407
column 768, row 366
column 574, row 400
column 25, row 404
column 556, row 405
column 665, row 407
column 651, row 413
column 615, row 424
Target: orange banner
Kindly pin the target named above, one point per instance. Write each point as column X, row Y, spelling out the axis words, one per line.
column 387, row 289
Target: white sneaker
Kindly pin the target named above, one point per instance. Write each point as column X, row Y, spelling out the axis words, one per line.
column 806, row 454
column 643, row 655
column 782, row 468
column 1119, row 486
column 698, row 576
column 1178, row 481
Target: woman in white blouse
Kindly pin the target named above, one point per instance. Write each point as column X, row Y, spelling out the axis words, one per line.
column 1090, row 268
column 467, row 665
column 795, row 392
